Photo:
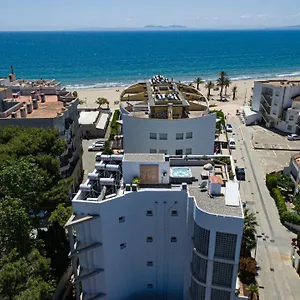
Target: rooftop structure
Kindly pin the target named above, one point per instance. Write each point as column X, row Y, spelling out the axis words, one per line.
column 164, row 116
column 175, row 222
column 281, row 82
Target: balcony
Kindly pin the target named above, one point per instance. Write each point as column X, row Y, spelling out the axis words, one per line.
column 267, row 98
column 265, row 108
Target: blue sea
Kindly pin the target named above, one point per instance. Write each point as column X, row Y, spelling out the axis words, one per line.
column 104, row 59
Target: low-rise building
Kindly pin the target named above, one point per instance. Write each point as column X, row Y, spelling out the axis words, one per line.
column 150, row 226
column 164, row 116
column 278, row 104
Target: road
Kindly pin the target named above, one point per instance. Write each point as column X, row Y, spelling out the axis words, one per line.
column 277, row 278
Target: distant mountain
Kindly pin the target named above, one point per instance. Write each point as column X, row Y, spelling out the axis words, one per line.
column 165, row 27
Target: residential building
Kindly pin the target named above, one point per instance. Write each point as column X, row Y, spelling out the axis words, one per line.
column 150, row 226
column 293, row 170
column 278, row 104
column 57, row 111
column 164, row 116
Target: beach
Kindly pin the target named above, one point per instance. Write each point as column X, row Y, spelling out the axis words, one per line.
column 229, row 106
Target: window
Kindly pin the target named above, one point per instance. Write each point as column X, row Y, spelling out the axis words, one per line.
column 122, row 246
column 290, row 127
column 199, row 267
column 121, row 219
column 291, row 117
column 152, row 136
column 188, row 151
column 174, row 213
column 225, row 245
column 178, row 152
column 164, row 151
column 179, row 136
column 197, row 291
column 219, row 295
column 149, row 239
column 163, row 136
column 173, row 239
column 149, row 286
column 150, row 264
column 222, row 274
column 189, row 135
column 149, row 213
column 153, row 151
column 201, row 239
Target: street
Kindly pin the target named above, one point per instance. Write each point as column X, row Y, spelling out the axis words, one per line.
column 277, row 279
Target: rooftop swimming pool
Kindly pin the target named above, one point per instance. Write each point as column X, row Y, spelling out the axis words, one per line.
column 181, row 174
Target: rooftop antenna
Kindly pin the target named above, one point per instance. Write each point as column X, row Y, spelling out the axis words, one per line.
column 12, row 69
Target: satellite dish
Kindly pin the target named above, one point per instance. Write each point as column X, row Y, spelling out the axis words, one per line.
column 165, row 174
column 203, row 184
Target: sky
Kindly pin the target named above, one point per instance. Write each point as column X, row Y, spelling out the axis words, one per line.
column 94, row 14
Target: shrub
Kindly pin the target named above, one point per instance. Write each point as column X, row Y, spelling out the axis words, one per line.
column 247, row 270
column 114, row 126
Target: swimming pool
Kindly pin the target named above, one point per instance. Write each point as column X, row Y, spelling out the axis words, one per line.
column 181, row 174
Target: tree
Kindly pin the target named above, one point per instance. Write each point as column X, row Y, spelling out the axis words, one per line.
column 234, row 90
column 209, row 85
column 254, row 291
column 221, row 82
column 15, row 226
column 75, row 94
column 247, row 270
column 102, row 101
column 198, row 81
column 61, row 214
column 249, row 233
column 227, row 84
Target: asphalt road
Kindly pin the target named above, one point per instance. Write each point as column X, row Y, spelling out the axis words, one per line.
column 276, row 278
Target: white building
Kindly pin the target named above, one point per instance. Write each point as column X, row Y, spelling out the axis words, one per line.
column 278, row 102
column 175, row 236
column 293, row 170
column 162, row 116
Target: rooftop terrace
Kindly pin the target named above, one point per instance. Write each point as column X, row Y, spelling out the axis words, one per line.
column 210, row 180
column 281, row 83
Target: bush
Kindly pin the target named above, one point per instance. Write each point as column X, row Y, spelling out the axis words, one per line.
column 114, row 126
column 247, row 270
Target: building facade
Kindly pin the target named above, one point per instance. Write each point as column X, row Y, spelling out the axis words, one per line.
column 278, row 102
column 175, row 235
column 163, row 116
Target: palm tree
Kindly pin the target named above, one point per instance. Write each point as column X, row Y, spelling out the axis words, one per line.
column 227, row 84
column 101, row 101
column 198, row 81
column 234, row 90
column 221, row 82
column 253, row 289
column 75, row 94
column 209, row 85
column 249, row 233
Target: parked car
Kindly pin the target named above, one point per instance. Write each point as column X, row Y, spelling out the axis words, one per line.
column 99, row 143
column 293, row 137
column 96, row 147
column 228, row 128
column 240, row 173
column 232, row 144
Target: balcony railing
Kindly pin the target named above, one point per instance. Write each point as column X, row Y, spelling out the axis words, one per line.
column 265, row 107
column 267, row 98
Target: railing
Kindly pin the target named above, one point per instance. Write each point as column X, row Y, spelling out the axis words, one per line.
column 266, row 109
column 267, row 98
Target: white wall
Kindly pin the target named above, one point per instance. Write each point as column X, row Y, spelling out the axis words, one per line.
column 137, row 131
column 256, row 96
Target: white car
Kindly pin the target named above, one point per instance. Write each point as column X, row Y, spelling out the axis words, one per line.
column 293, row 137
column 229, row 128
column 97, row 146
column 232, row 144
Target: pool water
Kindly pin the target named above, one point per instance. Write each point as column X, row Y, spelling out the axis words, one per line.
column 181, row 172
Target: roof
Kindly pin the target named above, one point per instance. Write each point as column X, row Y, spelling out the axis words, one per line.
column 216, row 179
column 102, row 121
column 88, row 117
column 232, row 195
column 281, row 82
column 296, row 98
column 248, row 111
column 144, row 157
column 296, row 159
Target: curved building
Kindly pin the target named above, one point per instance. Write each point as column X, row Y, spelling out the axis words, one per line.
column 174, row 235
column 163, row 116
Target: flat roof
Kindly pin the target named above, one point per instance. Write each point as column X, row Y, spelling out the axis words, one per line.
column 88, row 117
column 248, row 111
column 232, row 195
column 281, row 82
column 144, row 157
column 102, row 121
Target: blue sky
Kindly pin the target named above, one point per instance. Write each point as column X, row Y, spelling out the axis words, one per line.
column 80, row 14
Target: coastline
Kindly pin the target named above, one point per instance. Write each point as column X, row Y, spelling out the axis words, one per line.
column 243, row 95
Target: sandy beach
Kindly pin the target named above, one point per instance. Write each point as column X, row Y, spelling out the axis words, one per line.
column 243, row 95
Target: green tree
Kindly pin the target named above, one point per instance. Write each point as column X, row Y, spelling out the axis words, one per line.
column 198, row 81
column 15, row 226
column 221, row 82
column 61, row 214
column 102, row 101
column 227, row 84
column 254, row 291
column 249, row 233
column 75, row 94
column 234, row 90
column 247, row 270
column 209, row 85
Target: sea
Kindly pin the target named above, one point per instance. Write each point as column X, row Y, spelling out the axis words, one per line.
column 117, row 58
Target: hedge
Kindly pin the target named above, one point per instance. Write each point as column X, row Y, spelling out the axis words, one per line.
column 114, row 125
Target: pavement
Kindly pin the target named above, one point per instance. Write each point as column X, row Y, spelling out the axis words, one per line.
column 277, row 279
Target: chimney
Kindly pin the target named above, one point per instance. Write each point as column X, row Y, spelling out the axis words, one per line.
column 29, row 108
column 215, row 183
column 35, row 104
column 43, row 98
column 23, row 112
column 170, row 111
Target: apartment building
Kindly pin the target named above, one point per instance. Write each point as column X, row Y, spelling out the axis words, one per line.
column 47, row 110
column 293, row 170
column 278, row 104
column 164, row 116
column 150, row 226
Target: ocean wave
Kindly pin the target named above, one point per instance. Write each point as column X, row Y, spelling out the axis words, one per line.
column 82, row 86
